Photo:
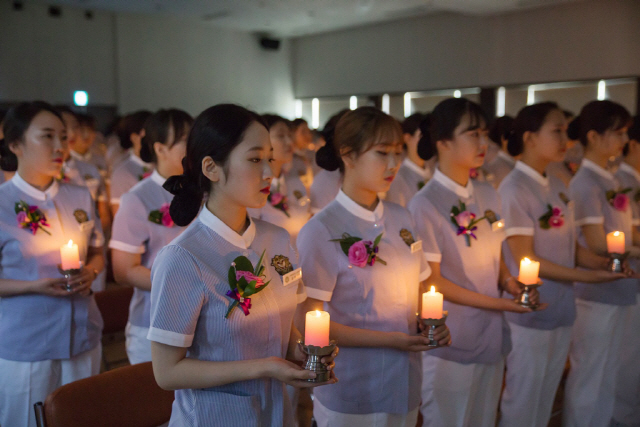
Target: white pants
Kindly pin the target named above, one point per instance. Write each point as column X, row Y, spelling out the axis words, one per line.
column 534, row 369
column 626, row 409
column 22, row 384
column 595, row 358
column 137, row 344
column 457, row 395
column 327, row 418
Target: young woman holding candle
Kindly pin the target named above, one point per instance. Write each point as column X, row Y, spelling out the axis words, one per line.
column 362, row 265
column 143, row 224
column 288, row 203
column 227, row 355
column 50, row 328
column 539, row 224
column 601, row 206
column 458, row 221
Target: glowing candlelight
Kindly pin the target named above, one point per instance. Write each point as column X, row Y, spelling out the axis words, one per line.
column 432, row 304
column 70, row 256
column 615, row 242
column 316, row 331
column 529, row 271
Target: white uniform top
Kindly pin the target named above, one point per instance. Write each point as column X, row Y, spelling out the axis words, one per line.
column 94, row 159
column 379, row 297
column 588, row 190
column 298, row 203
column 188, row 307
column 408, row 181
column 87, row 175
column 134, row 232
column 526, row 196
column 127, row 174
column 37, row 327
column 630, row 178
column 479, row 335
column 324, row 189
column 500, row 167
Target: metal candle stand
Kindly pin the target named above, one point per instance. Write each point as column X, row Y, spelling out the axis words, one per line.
column 616, row 262
column 314, row 357
column 524, row 299
column 431, row 325
column 68, row 274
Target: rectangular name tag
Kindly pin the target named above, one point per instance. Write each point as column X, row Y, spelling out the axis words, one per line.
column 292, row 277
column 417, row 246
column 498, row 225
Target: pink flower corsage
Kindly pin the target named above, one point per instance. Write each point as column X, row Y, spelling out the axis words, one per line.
column 146, row 173
column 473, row 173
column 360, row 252
column 619, row 199
column 279, row 201
column 553, row 218
column 465, row 221
column 30, row 217
column 244, row 281
column 63, row 177
column 162, row 216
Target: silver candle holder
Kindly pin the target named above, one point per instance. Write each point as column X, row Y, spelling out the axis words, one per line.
column 616, row 262
column 524, row 299
column 431, row 325
column 313, row 362
column 68, row 274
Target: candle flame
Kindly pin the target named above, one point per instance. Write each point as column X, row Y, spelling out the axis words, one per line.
column 70, row 244
column 526, row 260
column 318, row 314
column 616, row 233
column 433, row 289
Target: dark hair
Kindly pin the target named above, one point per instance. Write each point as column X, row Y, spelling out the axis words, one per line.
column 16, row 122
column 65, row 109
column 131, row 123
column 529, row 119
column 87, row 120
column 156, row 129
column 215, row 133
column 443, row 121
column 599, row 116
column 296, row 123
column 634, row 134
column 568, row 114
column 412, row 123
column 325, row 156
column 272, row 119
column 500, row 129
column 359, row 129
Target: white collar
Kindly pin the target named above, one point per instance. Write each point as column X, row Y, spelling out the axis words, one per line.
column 30, row 190
column 424, row 173
column 451, row 185
column 78, row 156
column 224, row 231
column 279, row 184
column 630, row 170
column 157, row 178
column 506, row 157
column 597, row 169
column 532, row 173
column 359, row 211
column 137, row 160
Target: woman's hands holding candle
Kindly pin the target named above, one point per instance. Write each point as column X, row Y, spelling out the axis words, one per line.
column 54, row 287
column 291, row 373
column 81, row 282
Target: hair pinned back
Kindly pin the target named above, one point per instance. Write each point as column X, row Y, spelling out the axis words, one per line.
column 529, row 119
column 156, row 129
column 326, row 156
column 600, row 116
column 131, row 123
column 501, row 129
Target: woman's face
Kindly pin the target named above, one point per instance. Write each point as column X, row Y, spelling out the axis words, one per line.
column 170, row 156
column 304, row 138
column 43, row 146
column 74, row 140
column 468, row 146
column 282, row 142
column 247, row 175
column 375, row 169
column 613, row 141
column 550, row 141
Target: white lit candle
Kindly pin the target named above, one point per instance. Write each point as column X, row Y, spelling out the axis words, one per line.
column 615, row 242
column 70, row 256
column 529, row 271
column 316, row 330
column 432, row 304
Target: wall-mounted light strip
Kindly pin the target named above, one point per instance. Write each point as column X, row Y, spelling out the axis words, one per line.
column 602, row 90
column 531, row 95
column 407, row 104
column 315, row 113
column 386, row 103
column 353, row 102
column 501, row 102
column 457, row 94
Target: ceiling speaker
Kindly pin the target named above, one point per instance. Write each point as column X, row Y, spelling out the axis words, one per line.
column 269, row 44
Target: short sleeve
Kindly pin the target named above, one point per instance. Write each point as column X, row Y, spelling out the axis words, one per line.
column 177, row 297
column 120, row 184
column 317, row 260
column 426, row 219
column 130, row 226
column 517, row 214
column 587, row 200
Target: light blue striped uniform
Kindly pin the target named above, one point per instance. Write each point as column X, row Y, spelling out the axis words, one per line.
column 127, row 174
column 188, row 305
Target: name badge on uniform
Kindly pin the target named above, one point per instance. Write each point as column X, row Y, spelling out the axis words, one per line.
column 292, row 277
column 88, row 225
column 417, row 246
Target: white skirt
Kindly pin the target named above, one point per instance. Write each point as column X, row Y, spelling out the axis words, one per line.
column 325, row 417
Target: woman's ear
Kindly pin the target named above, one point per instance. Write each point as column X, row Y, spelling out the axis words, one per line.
column 593, row 137
column 15, row 148
column 348, row 158
column 211, row 170
column 159, row 149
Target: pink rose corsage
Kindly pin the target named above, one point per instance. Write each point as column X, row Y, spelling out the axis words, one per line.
column 553, row 218
column 30, row 217
column 146, row 173
column 619, row 199
column 162, row 216
column 279, row 201
column 465, row 221
column 244, row 281
column 360, row 252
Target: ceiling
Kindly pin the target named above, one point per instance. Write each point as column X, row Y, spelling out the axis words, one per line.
column 291, row 18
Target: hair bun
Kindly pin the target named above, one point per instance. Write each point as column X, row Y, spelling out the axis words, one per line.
column 187, row 201
column 327, row 158
column 515, row 145
column 426, row 148
column 573, row 131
